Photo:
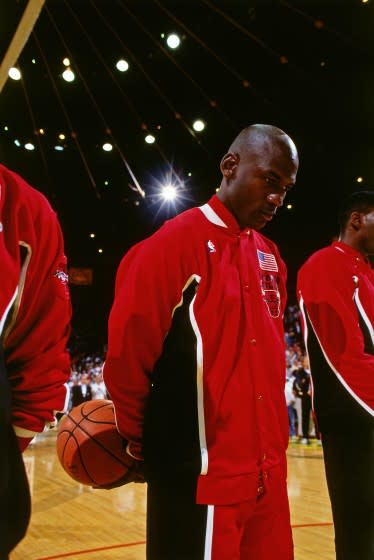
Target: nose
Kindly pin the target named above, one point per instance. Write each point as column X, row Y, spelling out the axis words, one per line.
column 276, row 199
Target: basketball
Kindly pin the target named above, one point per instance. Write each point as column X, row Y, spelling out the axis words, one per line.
column 89, row 447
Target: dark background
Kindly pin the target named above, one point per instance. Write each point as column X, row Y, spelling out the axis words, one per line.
column 305, row 66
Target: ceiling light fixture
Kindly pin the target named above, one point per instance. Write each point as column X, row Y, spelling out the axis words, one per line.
column 122, row 65
column 198, row 125
column 68, row 75
column 173, row 41
column 14, row 73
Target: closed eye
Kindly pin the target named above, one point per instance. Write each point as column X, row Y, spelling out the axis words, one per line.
column 274, row 182
column 271, row 180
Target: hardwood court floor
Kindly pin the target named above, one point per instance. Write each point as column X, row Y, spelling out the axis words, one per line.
column 73, row 521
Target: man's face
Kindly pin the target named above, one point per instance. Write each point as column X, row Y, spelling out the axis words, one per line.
column 258, row 184
column 368, row 232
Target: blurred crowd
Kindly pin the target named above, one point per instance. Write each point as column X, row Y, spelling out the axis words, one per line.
column 86, row 380
column 298, row 386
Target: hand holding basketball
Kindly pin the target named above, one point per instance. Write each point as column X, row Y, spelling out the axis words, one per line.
column 91, row 450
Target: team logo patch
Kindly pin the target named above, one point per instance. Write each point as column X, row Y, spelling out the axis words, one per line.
column 270, row 294
column 267, row 261
column 211, row 246
column 62, row 281
column 61, row 275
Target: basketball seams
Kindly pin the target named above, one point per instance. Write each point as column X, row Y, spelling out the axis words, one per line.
column 82, row 463
column 93, row 438
column 99, row 407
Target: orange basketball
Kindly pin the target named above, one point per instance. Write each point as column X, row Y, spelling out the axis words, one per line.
column 89, row 447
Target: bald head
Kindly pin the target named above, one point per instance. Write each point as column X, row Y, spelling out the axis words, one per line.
column 261, row 138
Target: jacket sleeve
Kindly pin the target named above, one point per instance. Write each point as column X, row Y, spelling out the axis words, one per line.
column 325, row 292
column 149, row 285
column 37, row 362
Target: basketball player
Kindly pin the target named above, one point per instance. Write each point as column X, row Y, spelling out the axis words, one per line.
column 196, row 364
column 34, row 325
column 336, row 295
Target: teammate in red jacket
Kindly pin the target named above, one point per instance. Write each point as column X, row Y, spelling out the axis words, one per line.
column 196, row 365
column 336, row 296
column 34, row 326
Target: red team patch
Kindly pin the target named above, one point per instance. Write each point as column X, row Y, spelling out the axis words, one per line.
column 270, row 294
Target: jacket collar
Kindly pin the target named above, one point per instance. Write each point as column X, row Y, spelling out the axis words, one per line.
column 217, row 213
column 348, row 250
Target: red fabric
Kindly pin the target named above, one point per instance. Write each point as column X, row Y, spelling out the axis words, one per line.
column 327, row 283
column 36, row 326
column 257, row 528
column 23, row 443
column 243, row 355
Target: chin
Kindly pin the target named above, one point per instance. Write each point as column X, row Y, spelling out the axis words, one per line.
column 260, row 225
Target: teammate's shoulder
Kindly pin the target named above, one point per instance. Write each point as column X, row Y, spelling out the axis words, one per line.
column 15, row 190
column 325, row 257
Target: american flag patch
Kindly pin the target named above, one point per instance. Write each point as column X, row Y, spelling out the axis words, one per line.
column 267, row 261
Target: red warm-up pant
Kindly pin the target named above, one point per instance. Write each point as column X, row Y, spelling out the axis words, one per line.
column 255, row 529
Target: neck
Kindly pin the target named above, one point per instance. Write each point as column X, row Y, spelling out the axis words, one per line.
column 354, row 241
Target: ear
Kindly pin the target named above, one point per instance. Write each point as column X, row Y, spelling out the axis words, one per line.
column 355, row 221
column 229, row 164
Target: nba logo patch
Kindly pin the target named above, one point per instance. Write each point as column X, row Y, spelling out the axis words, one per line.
column 211, row 246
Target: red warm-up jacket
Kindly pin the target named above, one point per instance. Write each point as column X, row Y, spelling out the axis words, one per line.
column 196, row 358
column 336, row 297
column 35, row 306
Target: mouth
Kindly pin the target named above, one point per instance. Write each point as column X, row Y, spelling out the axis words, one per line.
column 268, row 216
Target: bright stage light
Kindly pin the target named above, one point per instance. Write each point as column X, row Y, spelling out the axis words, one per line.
column 169, row 192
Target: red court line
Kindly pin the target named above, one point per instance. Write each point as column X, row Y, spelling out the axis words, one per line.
column 312, row 525
column 89, row 551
